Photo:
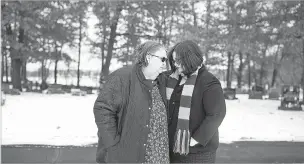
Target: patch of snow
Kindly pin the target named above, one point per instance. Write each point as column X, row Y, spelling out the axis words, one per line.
column 260, row 120
column 33, row 118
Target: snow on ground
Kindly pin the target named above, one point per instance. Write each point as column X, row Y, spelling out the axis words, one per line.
column 48, row 119
column 33, row 118
column 253, row 120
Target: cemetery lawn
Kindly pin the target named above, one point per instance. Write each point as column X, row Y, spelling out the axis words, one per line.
column 40, row 128
column 33, row 118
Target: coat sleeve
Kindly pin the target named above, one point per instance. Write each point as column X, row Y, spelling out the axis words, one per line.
column 106, row 107
column 215, row 108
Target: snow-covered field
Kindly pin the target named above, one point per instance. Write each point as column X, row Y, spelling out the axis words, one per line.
column 260, row 120
column 33, row 118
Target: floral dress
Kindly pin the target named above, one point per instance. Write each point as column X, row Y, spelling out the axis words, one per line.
column 157, row 149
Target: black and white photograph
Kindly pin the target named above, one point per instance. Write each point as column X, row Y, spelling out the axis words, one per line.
column 152, row 81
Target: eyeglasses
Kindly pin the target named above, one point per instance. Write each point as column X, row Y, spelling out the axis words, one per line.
column 163, row 59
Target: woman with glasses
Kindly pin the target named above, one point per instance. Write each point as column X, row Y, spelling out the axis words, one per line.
column 196, row 106
column 130, row 111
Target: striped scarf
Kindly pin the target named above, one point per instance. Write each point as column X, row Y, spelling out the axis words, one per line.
column 182, row 134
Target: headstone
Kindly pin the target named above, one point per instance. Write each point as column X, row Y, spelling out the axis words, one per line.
column 5, row 87
column 290, row 98
column 3, row 98
column 88, row 90
column 229, row 93
column 66, row 88
column 256, row 92
column 274, row 94
column 77, row 92
column 55, row 89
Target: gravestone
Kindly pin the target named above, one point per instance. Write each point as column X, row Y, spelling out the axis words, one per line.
column 7, row 88
column 3, row 98
column 55, row 89
column 256, row 92
column 77, row 92
column 229, row 93
column 274, row 94
column 66, row 88
column 290, row 98
column 88, row 90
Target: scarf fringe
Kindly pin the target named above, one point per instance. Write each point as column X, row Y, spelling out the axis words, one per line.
column 182, row 147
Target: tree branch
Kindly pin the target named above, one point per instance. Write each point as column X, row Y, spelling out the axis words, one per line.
column 141, row 36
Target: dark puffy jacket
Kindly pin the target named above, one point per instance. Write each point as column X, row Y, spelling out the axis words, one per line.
column 121, row 115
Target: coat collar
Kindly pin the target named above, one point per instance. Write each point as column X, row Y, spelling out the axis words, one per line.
column 141, row 77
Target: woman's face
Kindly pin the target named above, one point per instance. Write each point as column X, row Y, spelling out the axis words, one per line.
column 157, row 62
column 177, row 63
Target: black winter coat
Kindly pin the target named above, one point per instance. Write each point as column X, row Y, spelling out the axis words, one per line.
column 121, row 115
column 208, row 109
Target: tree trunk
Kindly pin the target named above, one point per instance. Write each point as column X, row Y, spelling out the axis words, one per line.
column 103, row 49
column 2, row 65
column 23, row 71
column 274, row 76
column 184, row 22
column 163, row 26
column 275, row 71
column 42, row 63
column 16, row 73
column 9, row 32
column 17, row 63
column 249, row 70
column 79, row 50
column 228, row 75
column 58, row 55
column 127, row 55
column 55, row 71
column 232, row 71
column 42, row 71
column 170, row 26
column 24, row 63
column 207, row 30
column 113, row 28
column 302, row 79
column 104, row 34
column 240, row 70
column 262, row 73
column 254, row 74
column 6, row 68
column 4, row 53
column 194, row 14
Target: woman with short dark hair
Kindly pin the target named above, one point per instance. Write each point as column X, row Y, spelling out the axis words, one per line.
column 196, row 106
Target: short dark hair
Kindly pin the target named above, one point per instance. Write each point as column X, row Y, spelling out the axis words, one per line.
column 188, row 54
column 144, row 49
